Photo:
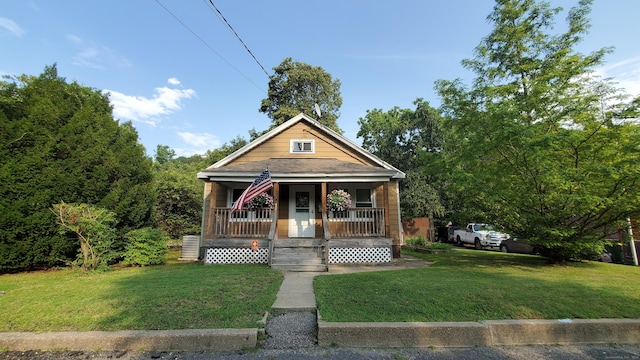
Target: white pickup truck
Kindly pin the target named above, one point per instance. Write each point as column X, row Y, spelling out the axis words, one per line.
column 480, row 235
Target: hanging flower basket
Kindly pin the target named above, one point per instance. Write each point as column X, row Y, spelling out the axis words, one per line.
column 338, row 200
column 261, row 201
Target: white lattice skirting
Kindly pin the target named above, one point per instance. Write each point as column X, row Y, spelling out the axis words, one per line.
column 359, row 255
column 236, row 256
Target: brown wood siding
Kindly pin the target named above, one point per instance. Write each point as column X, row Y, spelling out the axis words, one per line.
column 325, row 147
column 221, row 196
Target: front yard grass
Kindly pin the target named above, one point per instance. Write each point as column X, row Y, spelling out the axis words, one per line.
column 172, row 296
column 471, row 285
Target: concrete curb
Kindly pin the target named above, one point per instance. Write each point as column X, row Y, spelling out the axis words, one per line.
column 136, row 340
column 484, row 333
column 354, row 335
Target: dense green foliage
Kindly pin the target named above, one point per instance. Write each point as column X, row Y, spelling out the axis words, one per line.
column 411, row 141
column 94, row 230
column 145, row 247
column 179, row 203
column 296, row 87
column 415, row 241
column 528, row 146
column 59, row 142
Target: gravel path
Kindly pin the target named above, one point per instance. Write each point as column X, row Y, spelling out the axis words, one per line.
column 294, row 330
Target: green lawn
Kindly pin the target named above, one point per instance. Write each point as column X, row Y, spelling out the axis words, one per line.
column 466, row 285
column 470, row 285
column 173, row 296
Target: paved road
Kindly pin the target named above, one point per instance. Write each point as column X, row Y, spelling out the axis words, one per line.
column 586, row 352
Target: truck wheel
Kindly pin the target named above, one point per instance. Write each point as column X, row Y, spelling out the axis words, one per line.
column 458, row 241
column 503, row 248
column 478, row 245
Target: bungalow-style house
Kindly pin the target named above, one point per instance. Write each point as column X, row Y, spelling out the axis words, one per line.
column 296, row 228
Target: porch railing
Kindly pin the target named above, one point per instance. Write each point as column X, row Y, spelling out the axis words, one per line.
column 258, row 223
column 243, row 223
column 357, row 222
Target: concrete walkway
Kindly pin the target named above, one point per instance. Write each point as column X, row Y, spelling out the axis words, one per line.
column 296, row 293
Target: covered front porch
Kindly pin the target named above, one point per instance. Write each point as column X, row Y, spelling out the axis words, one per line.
column 300, row 232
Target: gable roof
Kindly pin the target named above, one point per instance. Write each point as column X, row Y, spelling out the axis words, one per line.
column 283, row 169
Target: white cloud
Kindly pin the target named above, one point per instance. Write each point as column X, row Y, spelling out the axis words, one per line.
column 148, row 110
column 95, row 56
column 11, row 26
column 626, row 73
column 197, row 143
column 173, row 81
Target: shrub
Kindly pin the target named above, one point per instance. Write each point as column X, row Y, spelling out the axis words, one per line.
column 416, row 241
column 93, row 227
column 439, row 246
column 145, row 246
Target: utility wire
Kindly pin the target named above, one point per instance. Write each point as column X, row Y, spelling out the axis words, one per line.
column 208, row 46
column 237, row 36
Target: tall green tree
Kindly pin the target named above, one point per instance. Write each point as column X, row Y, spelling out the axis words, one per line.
column 59, row 142
column 179, row 203
column 411, row 141
column 296, row 87
column 527, row 144
column 164, row 154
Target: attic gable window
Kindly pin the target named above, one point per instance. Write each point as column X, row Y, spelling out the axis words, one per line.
column 303, row 146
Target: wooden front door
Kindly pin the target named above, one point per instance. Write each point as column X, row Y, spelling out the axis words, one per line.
column 302, row 211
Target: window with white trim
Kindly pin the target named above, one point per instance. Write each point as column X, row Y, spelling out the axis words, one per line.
column 363, row 198
column 306, row 146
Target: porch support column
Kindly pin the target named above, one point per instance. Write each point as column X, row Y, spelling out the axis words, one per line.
column 208, row 211
column 393, row 223
column 276, row 198
column 323, row 194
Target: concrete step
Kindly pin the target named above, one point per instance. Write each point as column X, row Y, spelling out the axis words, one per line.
column 296, row 261
column 297, row 243
column 290, row 267
column 299, row 251
column 298, row 255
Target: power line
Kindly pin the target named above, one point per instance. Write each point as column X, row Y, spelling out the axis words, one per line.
column 208, row 46
column 237, row 36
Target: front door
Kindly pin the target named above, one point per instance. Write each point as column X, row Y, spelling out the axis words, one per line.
column 301, row 211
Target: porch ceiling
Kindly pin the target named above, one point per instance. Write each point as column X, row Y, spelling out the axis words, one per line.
column 299, row 169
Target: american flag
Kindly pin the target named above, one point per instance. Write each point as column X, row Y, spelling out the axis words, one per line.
column 261, row 184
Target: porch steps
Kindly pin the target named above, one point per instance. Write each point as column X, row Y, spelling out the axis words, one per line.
column 298, row 255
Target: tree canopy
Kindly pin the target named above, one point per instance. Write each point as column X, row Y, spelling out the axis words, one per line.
column 411, row 141
column 296, row 87
column 59, row 142
column 528, row 145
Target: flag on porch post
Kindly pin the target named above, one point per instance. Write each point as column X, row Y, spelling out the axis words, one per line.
column 261, row 184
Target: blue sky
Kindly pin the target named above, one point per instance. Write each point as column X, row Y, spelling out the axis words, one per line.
column 184, row 80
